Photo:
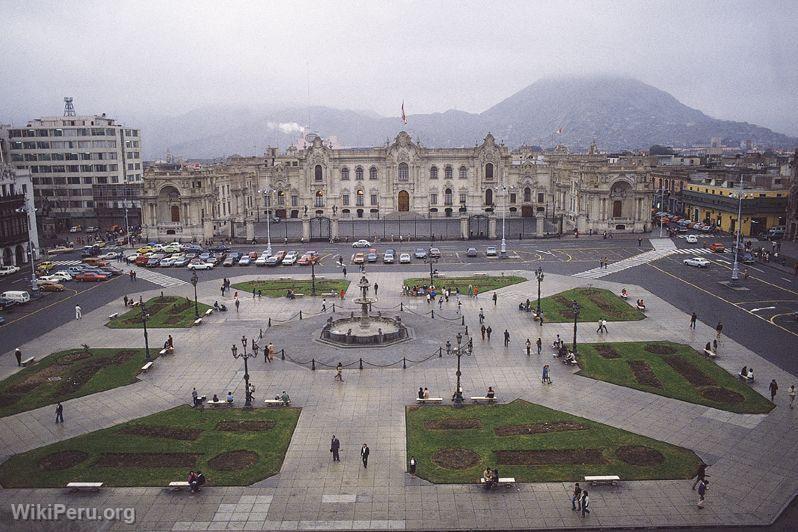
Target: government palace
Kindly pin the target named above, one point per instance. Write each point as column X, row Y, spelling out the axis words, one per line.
column 401, row 179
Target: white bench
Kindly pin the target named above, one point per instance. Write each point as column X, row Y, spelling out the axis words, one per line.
column 710, row 354
column 328, row 294
column 198, row 321
column 483, row 399
column 28, row 361
column 209, row 312
column 503, row 481
column 429, row 400
column 643, row 309
column 602, row 479
column 179, row 485
column 623, row 296
column 276, row 402
column 220, row 402
column 91, row 486
column 113, row 316
column 746, row 378
column 299, row 295
column 146, row 366
column 167, row 351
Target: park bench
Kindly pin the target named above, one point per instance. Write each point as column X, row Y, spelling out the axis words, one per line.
column 113, row 316
column 483, row 399
column 28, row 361
column 146, row 366
column 747, row 378
column 276, row 402
column 429, row 400
column 623, row 296
column 135, row 304
column 299, row 295
column 167, row 351
column 220, row 402
column 507, row 482
column 328, row 294
column 480, row 275
column 200, row 400
column 178, row 485
column 642, row 309
column 91, row 486
column 209, row 312
column 198, row 321
column 602, row 479
column 710, row 353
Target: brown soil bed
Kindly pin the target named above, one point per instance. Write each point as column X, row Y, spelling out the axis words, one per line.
column 643, row 373
column 450, row 423
column 455, row 458
column 170, row 433
column 722, row 395
column 659, row 349
column 233, row 460
column 639, row 455
column 606, row 351
column 551, row 457
column 61, row 460
column 538, row 428
column 597, row 299
column 71, row 358
column 147, row 460
column 688, row 371
column 245, row 426
column 565, row 312
column 83, row 374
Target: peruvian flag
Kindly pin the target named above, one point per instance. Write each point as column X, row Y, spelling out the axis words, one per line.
column 404, row 116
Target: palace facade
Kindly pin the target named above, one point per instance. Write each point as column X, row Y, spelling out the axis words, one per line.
column 585, row 192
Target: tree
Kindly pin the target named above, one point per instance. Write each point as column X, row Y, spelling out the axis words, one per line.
column 656, row 149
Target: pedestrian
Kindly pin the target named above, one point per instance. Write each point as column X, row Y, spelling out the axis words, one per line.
column 429, row 298
column 341, row 293
column 223, row 289
column 59, row 413
column 413, row 466
column 506, row 338
column 576, row 503
column 639, row 242
column 339, row 372
column 376, row 288
column 482, row 330
column 260, row 294
column 585, row 503
column 791, row 394
column 539, row 343
column 18, row 354
column 718, row 330
column 270, row 351
column 599, row 330
column 344, row 270
column 364, row 454
column 130, row 274
column 495, row 297
column 125, row 300
column 701, row 476
column 714, row 346
column 324, row 304
column 540, row 318
column 78, row 312
column 440, row 303
column 528, row 347
column 693, row 319
column 546, row 379
column 488, row 331
column 459, row 305
column 194, row 397
column 604, row 325
column 254, row 294
column 476, row 293
column 335, row 446
column 481, row 316
column 470, row 290
column 237, row 304
column 773, row 387
column 702, row 490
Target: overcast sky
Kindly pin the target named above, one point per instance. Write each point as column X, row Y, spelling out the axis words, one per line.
column 731, row 59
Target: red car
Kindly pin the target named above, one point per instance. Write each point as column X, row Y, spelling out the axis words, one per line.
column 717, row 247
column 90, row 276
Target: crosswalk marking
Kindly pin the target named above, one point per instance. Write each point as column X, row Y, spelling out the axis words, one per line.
column 143, row 273
column 663, row 247
column 700, row 235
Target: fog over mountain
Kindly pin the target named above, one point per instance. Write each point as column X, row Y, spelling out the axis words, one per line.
column 618, row 113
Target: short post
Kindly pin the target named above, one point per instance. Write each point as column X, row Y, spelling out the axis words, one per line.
column 466, row 331
column 361, row 363
column 401, row 306
column 404, row 363
column 282, row 353
column 313, row 364
column 260, row 334
column 440, row 352
column 300, row 314
column 333, row 307
column 270, row 322
column 432, row 314
column 462, row 320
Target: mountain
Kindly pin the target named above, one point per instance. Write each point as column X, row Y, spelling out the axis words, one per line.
column 618, row 113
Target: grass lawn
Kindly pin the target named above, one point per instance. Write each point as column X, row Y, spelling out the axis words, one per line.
column 484, row 283
column 594, row 303
column 689, row 376
column 279, row 287
column 164, row 447
column 69, row 374
column 165, row 312
column 571, row 448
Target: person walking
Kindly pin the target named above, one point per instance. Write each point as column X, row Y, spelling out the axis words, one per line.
column 701, row 475
column 222, row 289
column 344, row 270
column 693, row 319
column 576, row 503
column 702, row 491
column 482, row 331
column 342, row 293
column 791, row 394
column 364, row 455
column 598, row 330
column 339, row 372
column 539, row 344
column 376, row 288
column 604, row 325
column 528, row 347
column 238, row 302
column 495, row 298
column 413, row 466
column 78, row 312
column 540, row 318
column 124, row 299
column 440, row 303
column 335, row 446
column 718, row 330
column 546, row 379
column 506, row 338
column 488, row 331
column 773, row 387
column 59, row 413
column 585, row 503
column 481, row 316
column 324, row 304
column 18, row 355
column 639, row 242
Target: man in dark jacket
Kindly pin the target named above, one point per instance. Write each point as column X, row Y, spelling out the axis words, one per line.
column 364, row 454
column 335, row 446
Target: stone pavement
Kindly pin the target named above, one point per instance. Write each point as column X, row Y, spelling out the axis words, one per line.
column 753, row 469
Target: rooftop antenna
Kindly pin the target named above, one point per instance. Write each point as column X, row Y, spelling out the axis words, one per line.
column 69, row 109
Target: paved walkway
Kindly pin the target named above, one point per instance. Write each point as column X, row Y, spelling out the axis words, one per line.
column 753, row 470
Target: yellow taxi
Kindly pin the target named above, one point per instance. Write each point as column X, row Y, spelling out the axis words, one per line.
column 45, row 266
column 145, row 249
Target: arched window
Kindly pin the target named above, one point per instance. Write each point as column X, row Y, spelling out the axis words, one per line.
column 404, row 172
column 447, row 172
column 447, row 197
column 344, row 174
column 359, row 173
column 359, row 198
column 175, row 211
column 318, row 176
column 463, row 174
column 489, row 171
column 527, row 195
column 489, row 197
column 373, row 172
column 319, row 197
column 433, row 172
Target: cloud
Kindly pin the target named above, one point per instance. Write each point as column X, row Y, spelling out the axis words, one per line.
column 286, row 127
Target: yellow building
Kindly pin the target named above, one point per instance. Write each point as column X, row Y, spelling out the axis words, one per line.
column 718, row 205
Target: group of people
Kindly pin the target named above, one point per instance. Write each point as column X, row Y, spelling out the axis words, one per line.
column 580, row 500
column 195, row 480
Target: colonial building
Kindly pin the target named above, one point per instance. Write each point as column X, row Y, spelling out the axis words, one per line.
column 586, row 192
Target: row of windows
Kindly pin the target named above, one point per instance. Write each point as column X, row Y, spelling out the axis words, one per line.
column 404, row 172
column 71, row 180
column 61, row 144
column 10, row 189
column 73, row 168
column 359, row 199
column 64, row 132
column 358, row 173
column 84, row 156
column 16, row 225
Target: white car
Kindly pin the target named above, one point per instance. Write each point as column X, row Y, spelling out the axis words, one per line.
column 290, row 258
column 171, row 248
column 63, row 275
column 8, row 270
column 691, row 239
column 109, row 255
column 490, row 251
column 261, row 261
column 698, row 262
column 404, row 258
column 168, row 262
column 200, row 265
column 361, row 244
column 45, row 279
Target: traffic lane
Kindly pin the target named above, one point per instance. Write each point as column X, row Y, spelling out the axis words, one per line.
column 783, row 313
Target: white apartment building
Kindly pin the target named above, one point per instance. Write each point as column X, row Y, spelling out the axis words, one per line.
column 85, row 169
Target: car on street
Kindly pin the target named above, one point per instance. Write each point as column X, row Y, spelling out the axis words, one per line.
column 90, row 229
column 691, row 239
column 263, row 260
column 435, row 253
column 145, row 249
column 404, row 258
column 63, row 275
column 229, row 261
column 75, row 229
column 290, row 258
column 471, row 252
column 275, row 259
column 245, row 261
column 6, row 303
column 180, row 262
column 220, row 248
column 8, row 270
column 307, row 258
column 51, row 287
column 167, row 262
column 198, row 264
column 698, row 262
column 141, row 260
column 45, row 279
column 717, row 247
column 152, row 262
column 108, row 256
column 358, row 258
column 490, row 251
column 361, row 244
column 45, row 266
column 389, row 256
column 2, row 320
column 420, row 253
column 372, row 255
column 111, row 270
column 59, row 249
column 90, row 277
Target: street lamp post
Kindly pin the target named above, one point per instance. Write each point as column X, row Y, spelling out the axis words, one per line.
column 194, row 281
column 430, row 260
column 267, row 201
column 661, row 205
column 575, row 308
column 460, row 350
column 246, row 356
column 34, row 285
column 144, row 317
column 735, row 275
column 539, row 277
column 503, row 248
column 313, row 276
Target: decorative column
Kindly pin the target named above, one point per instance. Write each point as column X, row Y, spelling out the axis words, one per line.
column 250, row 228
column 540, row 223
column 463, row 226
column 305, row 228
column 334, row 226
column 492, row 225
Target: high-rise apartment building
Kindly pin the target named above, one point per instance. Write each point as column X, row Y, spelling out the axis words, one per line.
column 86, row 170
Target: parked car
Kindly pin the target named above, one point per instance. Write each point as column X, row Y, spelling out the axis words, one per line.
column 141, row 260
column 111, row 270
column 75, row 229
column 372, row 256
column 490, row 251
column 18, row 296
column 717, row 247
column 63, row 275
column 229, row 261
column 2, row 320
column 51, row 287
column 435, row 253
column 404, row 258
column 167, row 262
column 90, row 277
column 308, row 258
column 698, row 262
column 358, row 258
column 152, row 263
column 8, row 270
column 746, row 257
column 245, row 261
column 389, row 256
column 45, row 279
column 199, row 265
column 45, row 266
column 219, row 248
column 263, row 260
column 6, row 304
column 691, row 239
column 60, row 249
column 471, row 252
column 420, row 253
column 361, row 244
column 290, row 258
column 90, row 229
column 180, row 262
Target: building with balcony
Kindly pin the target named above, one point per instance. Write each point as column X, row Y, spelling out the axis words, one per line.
column 17, row 217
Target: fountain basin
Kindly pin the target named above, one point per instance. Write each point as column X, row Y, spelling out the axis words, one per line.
column 375, row 331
